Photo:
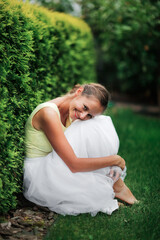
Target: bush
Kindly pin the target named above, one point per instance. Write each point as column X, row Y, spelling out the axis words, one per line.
column 43, row 54
column 127, row 38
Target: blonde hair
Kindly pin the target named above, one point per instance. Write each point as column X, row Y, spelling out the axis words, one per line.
column 94, row 89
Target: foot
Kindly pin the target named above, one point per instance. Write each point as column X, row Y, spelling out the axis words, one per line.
column 125, row 195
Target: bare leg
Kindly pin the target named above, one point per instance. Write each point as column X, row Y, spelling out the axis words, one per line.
column 123, row 193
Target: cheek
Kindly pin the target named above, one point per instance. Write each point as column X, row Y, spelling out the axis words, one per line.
column 77, row 106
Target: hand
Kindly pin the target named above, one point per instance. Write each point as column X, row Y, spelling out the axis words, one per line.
column 121, row 162
column 115, row 175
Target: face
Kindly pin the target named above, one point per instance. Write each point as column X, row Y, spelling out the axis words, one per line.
column 83, row 108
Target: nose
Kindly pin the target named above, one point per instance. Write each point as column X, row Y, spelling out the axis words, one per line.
column 82, row 115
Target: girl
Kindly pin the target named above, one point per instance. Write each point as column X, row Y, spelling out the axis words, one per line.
column 73, row 172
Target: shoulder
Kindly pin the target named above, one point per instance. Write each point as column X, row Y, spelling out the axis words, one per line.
column 47, row 108
column 47, row 113
column 49, row 122
column 48, row 105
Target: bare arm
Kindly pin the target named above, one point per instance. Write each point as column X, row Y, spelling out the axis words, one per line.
column 49, row 122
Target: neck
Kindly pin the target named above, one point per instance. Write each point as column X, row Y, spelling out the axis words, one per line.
column 63, row 104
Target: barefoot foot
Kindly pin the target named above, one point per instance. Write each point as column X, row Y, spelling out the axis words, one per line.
column 125, row 195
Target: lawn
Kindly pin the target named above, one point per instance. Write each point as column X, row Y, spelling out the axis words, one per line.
column 140, row 147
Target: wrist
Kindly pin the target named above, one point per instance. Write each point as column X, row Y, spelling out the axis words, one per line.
column 119, row 160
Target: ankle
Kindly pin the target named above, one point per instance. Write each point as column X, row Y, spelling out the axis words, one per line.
column 118, row 186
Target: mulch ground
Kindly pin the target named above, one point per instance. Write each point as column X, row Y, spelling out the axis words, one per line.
column 27, row 222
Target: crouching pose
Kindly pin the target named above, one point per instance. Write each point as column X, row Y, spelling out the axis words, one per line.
column 76, row 171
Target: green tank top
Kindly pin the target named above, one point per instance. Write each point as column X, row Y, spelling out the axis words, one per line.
column 36, row 142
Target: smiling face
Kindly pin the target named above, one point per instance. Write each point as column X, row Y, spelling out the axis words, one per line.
column 83, row 107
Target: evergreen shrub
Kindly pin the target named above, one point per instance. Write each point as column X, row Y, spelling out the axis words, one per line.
column 42, row 55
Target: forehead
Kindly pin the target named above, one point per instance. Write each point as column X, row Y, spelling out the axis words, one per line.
column 93, row 104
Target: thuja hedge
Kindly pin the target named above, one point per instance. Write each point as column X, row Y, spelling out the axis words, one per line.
column 42, row 55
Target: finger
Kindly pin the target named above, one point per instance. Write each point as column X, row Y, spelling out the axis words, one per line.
column 111, row 173
column 116, row 177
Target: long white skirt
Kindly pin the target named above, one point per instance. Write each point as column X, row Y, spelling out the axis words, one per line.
column 49, row 182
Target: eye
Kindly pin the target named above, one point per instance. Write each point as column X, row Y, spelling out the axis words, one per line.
column 89, row 115
column 85, row 107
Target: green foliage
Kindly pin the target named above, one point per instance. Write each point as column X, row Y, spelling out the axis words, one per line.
column 139, row 145
column 42, row 55
column 60, row 5
column 127, row 39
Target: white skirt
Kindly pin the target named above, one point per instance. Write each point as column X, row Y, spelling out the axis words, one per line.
column 49, row 182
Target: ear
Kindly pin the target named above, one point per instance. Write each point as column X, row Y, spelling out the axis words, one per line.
column 79, row 91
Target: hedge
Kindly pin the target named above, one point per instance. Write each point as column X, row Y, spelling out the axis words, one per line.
column 42, row 55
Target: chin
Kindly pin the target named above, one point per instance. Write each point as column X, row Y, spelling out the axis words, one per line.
column 73, row 119
column 72, row 116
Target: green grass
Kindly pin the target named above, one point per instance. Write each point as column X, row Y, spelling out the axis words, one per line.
column 140, row 147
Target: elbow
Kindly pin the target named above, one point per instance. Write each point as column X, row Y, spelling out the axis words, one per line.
column 74, row 168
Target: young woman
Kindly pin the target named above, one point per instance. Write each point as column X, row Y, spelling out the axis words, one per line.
column 73, row 172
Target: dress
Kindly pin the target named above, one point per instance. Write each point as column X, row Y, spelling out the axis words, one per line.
column 49, row 182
